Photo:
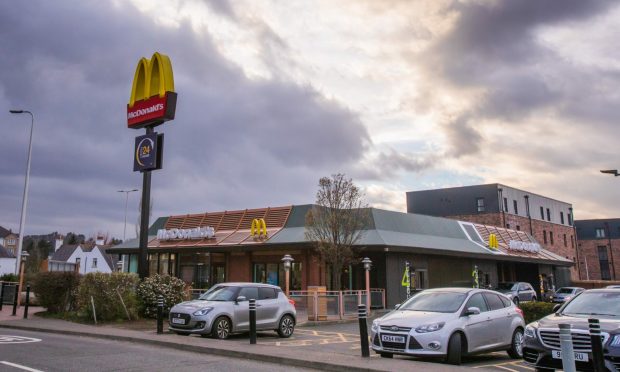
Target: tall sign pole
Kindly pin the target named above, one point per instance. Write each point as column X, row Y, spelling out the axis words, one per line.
column 152, row 102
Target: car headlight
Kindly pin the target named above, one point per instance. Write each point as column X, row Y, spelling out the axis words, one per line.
column 375, row 325
column 530, row 331
column 432, row 327
column 203, row 311
column 615, row 342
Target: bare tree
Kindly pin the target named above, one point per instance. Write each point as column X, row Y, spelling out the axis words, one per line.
column 336, row 223
column 140, row 216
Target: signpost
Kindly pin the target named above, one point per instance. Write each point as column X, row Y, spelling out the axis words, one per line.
column 152, row 102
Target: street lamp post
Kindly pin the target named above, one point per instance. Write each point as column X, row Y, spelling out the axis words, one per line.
column 287, row 260
column 126, row 200
column 24, row 256
column 22, row 221
column 367, row 265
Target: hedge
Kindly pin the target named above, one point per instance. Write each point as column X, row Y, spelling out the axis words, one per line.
column 56, row 290
column 106, row 291
column 171, row 288
column 535, row 310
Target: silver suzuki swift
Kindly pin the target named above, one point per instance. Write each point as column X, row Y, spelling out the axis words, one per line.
column 224, row 309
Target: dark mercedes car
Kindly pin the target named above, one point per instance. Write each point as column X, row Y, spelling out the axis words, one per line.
column 541, row 345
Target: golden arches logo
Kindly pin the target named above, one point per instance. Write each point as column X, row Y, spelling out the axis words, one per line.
column 493, row 241
column 152, row 77
column 258, row 228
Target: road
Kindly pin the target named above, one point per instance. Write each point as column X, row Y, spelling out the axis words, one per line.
column 34, row 351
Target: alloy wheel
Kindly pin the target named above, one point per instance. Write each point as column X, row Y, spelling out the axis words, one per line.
column 287, row 326
column 518, row 342
column 223, row 328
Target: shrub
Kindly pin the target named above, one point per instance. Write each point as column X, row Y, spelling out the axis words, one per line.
column 10, row 277
column 104, row 289
column 171, row 288
column 56, row 290
column 535, row 310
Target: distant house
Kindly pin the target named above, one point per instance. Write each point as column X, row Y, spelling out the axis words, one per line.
column 89, row 257
column 7, row 261
column 8, row 239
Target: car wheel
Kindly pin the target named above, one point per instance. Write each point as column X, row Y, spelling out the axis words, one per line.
column 454, row 349
column 516, row 346
column 182, row 333
column 387, row 355
column 516, row 301
column 221, row 328
column 286, row 326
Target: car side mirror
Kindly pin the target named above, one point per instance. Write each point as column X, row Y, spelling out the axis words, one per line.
column 241, row 299
column 556, row 308
column 396, row 306
column 472, row 311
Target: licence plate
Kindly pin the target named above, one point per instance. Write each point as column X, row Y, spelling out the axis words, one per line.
column 390, row 338
column 178, row 320
column 579, row 357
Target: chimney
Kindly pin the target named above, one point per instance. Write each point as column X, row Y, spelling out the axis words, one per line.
column 58, row 243
column 100, row 240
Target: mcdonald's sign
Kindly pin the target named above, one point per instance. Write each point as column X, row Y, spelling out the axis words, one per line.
column 153, row 100
column 492, row 241
column 258, row 228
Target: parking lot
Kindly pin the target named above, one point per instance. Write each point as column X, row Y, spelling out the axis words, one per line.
column 343, row 338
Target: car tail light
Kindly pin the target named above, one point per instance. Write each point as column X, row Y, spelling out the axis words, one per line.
column 520, row 312
column 292, row 302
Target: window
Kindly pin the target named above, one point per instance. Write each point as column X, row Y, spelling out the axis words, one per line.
column 505, row 301
column 480, row 204
column 514, row 204
column 565, row 242
column 505, row 204
column 267, row 294
column 94, row 263
column 10, row 241
column 600, row 233
column 545, row 236
column 542, row 213
column 550, row 237
column 548, row 214
column 518, row 228
column 250, row 293
column 477, row 301
column 604, row 262
column 572, row 242
column 507, row 225
column 562, row 218
column 495, row 303
column 570, row 218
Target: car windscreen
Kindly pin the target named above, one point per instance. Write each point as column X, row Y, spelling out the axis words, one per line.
column 506, row 286
column 594, row 303
column 564, row 291
column 221, row 293
column 438, row 302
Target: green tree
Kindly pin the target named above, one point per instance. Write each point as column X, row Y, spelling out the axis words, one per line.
column 337, row 222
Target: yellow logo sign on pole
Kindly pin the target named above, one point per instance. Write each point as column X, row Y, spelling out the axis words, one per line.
column 493, row 241
column 258, row 228
column 405, row 281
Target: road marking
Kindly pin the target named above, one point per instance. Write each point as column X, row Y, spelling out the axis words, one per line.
column 507, row 369
column 20, row 366
column 7, row 339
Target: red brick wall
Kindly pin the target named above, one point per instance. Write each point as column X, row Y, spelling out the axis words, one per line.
column 238, row 267
column 588, row 252
column 538, row 228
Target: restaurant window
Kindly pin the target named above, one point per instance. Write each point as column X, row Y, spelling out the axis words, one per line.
column 604, row 262
column 273, row 273
column 480, row 204
column 516, row 208
column 505, row 204
column 600, row 233
column 542, row 213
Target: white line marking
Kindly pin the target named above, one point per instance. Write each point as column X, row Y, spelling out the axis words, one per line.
column 507, row 369
column 20, row 366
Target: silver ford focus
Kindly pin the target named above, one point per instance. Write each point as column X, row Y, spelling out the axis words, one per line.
column 449, row 323
column 224, row 309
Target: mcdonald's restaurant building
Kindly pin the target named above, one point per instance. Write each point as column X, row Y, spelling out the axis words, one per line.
column 248, row 245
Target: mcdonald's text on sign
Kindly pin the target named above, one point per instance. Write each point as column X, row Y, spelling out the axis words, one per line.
column 204, row 232
column 153, row 100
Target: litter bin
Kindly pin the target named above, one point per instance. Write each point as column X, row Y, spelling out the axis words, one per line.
column 318, row 312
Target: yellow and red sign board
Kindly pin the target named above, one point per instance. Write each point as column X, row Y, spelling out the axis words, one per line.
column 153, row 100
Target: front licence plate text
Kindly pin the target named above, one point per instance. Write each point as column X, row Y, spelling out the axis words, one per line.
column 579, row 357
column 178, row 320
column 390, row 338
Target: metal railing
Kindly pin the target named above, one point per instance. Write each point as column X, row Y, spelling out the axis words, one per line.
column 317, row 305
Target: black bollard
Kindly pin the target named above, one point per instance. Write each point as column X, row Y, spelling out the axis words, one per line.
column 160, row 314
column 361, row 313
column 27, row 301
column 598, row 361
column 2, row 294
column 15, row 300
column 252, row 307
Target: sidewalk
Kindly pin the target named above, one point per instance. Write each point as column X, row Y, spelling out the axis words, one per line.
column 265, row 353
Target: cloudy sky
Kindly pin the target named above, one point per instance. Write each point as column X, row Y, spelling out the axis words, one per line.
column 399, row 95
